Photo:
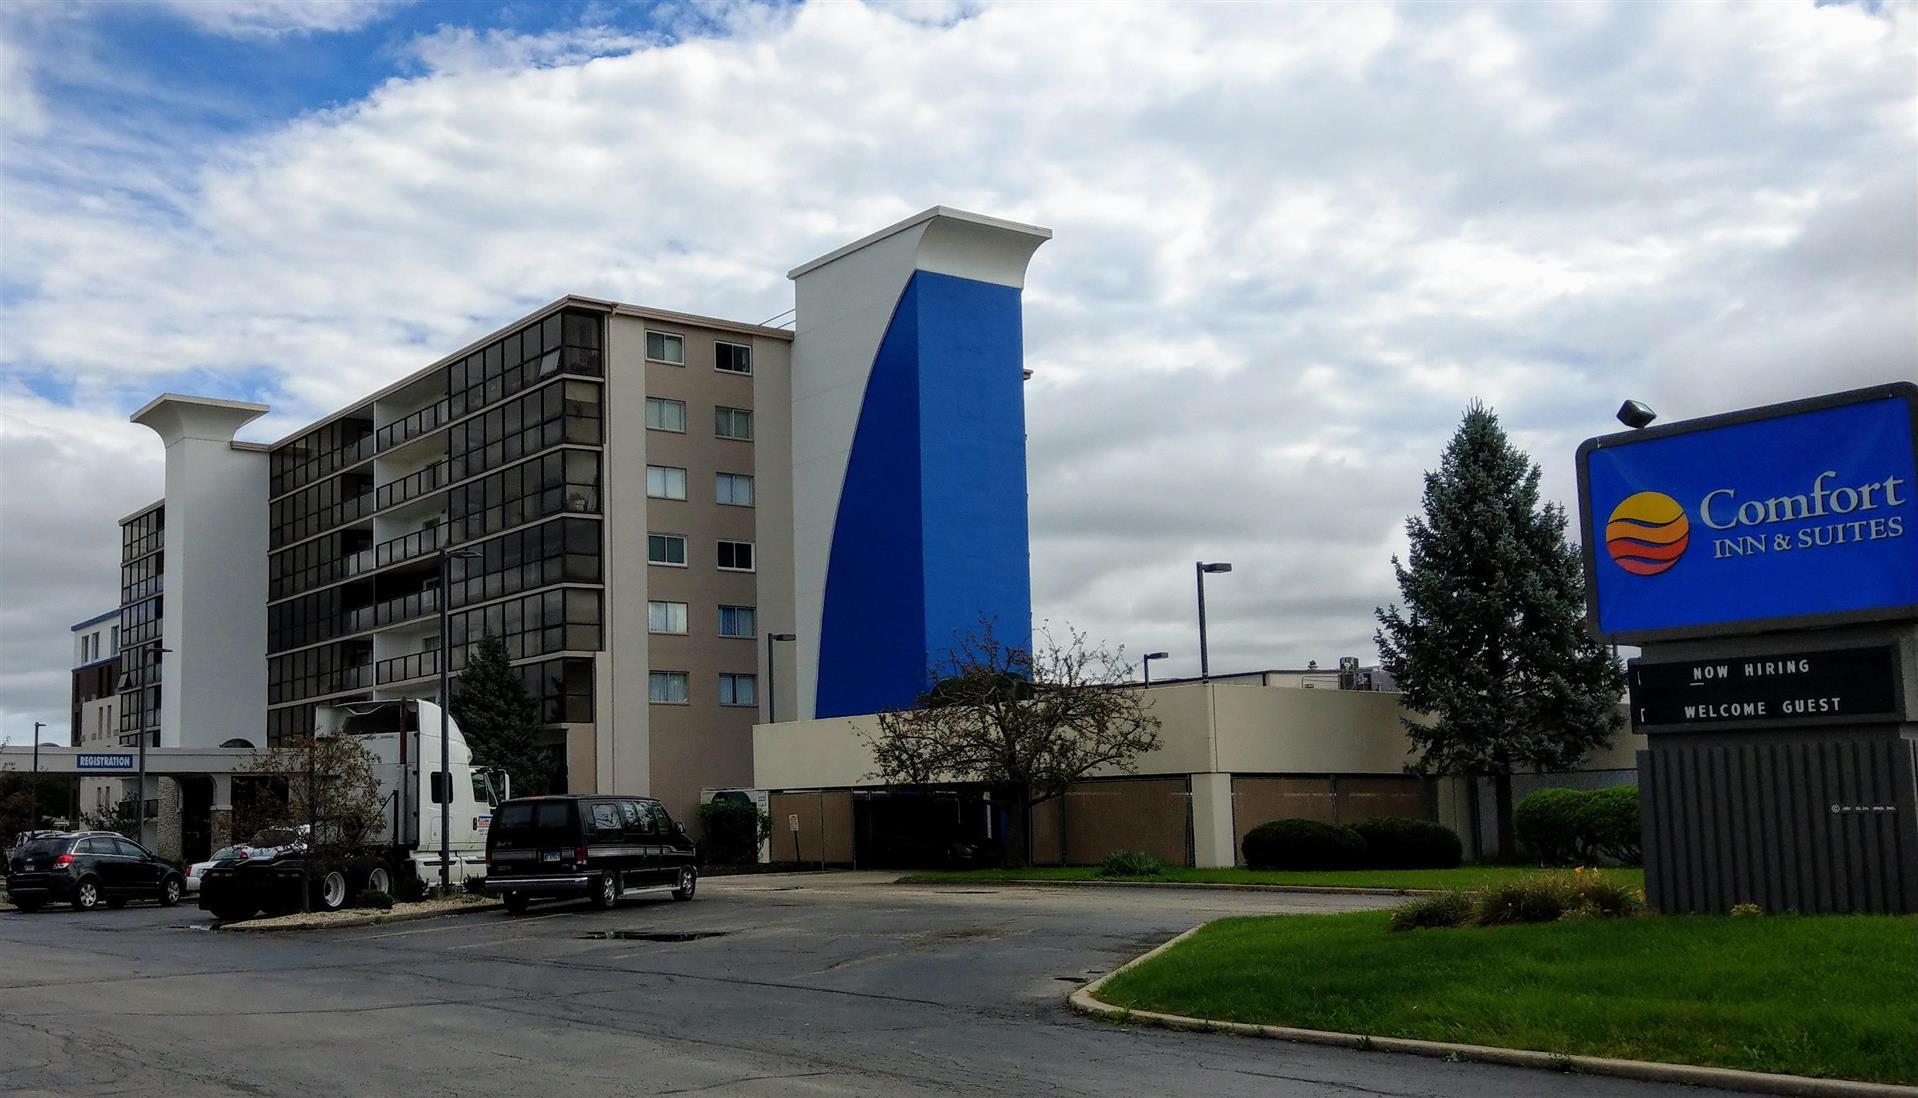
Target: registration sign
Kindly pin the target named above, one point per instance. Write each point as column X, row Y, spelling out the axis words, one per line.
column 103, row 762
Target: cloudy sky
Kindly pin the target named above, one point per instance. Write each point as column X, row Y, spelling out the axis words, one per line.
column 1292, row 243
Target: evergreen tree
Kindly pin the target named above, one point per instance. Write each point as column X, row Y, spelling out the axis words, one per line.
column 1492, row 643
column 500, row 717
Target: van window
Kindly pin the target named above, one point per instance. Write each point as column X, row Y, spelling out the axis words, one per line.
column 511, row 819
column 605, row 818
column 635, row 820
column 662, row 823
column 548, row 822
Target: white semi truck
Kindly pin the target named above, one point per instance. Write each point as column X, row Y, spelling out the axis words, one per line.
column 403, row 736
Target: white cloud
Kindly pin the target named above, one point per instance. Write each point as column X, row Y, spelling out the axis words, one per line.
column 279, row 18
column 1292, row 243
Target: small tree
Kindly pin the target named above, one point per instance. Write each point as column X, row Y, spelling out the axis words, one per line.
column 1027, row 721
column 1492, row 642
column 121, row 817
column 329, row 787
column 500, row 717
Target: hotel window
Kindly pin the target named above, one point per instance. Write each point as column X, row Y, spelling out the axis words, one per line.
column 733, row 488
column 661, row 347
column 737, row 690
column 732, row 358
column 665, row 482
column 666, row 549
column 665, row 415
column 667, row 688
column 736, row 556
column 733, row 423
column 665, row 617
column 736, row 621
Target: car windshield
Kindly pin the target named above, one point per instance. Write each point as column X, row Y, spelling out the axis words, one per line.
column 226, row 854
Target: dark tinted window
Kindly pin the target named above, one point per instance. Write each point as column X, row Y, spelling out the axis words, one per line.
column 605, row 818
column 93, row 846
column 46, row 848
column 128, row 849
column 554, row 816
column 662, row 823
column 513, row 818
column 633, row 817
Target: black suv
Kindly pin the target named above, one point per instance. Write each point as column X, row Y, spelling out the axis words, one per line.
column 596, row 846
column 87, row 868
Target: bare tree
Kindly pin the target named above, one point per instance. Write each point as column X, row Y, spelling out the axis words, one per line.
column 330, row 789
column 1027, row 721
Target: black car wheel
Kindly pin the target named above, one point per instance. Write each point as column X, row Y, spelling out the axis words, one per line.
column 516, row 902
column 170, row 892
column 688, row 883
column 86, row 894
column 605, row 891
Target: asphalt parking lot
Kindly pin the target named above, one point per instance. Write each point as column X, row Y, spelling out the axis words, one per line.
column 835, row 984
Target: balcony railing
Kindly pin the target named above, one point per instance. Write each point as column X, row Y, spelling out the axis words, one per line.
column 412, row 486
column 419, row 665
column 430, row 418
column 399, row 549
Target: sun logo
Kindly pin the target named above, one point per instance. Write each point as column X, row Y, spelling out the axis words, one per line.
column 1647, row 533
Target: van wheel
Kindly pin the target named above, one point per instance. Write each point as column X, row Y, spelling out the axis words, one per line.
column 516, row 902
column 605, row 891
column 688, row 883
column 86, row 895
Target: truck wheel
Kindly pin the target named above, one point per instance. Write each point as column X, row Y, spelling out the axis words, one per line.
column 516, row 902
column 605, row 892
column 329, row 890
column 380, row 879
column 688, row 883
column 86, row 895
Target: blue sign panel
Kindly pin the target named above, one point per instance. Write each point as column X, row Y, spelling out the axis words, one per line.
column 1796, row 515
column 103, row 762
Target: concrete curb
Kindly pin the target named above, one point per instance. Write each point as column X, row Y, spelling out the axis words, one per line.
column 395, row 916
column 1755, row 1082
column 1215, row 886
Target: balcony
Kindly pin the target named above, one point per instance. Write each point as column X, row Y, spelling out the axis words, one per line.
column 419, row 665
column 398, row 549
column 430, row 418
column 412, row 486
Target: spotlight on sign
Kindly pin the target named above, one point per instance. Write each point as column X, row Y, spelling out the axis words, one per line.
column 1635, row 415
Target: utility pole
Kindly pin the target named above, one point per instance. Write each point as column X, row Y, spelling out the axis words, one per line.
column 33, row 784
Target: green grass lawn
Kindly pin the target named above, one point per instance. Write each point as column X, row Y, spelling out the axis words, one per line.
column 1804, row 995
column 1471, row 876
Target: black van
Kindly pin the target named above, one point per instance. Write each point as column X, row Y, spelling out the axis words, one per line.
column 592, row 845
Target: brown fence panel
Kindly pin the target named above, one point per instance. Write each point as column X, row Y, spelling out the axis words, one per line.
column 825, row 827
column 1149, row 814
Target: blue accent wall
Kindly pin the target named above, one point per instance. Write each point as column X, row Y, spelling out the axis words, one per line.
column 931, row 536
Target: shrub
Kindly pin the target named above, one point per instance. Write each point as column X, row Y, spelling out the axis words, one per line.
column 1542, row 899
column 1303, row 844
column 373, row 897
column 1444, row 909
column 1548, row 897
column 1130, row 863
column 1547, row 821
column 1608, row 825
column 1398, row 842
column 1746, row 911
column 731, row 831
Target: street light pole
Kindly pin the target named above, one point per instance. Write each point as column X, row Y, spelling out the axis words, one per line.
column 1145, row 665
column 33, row 796
column 772, row 682
column 1200, row 568
column 446, row 721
